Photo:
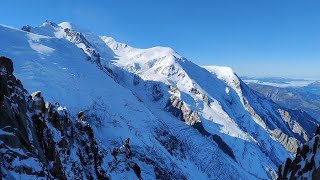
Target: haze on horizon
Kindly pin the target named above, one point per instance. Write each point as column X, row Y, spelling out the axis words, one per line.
column 255, row 38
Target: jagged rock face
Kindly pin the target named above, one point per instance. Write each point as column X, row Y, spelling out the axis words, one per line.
column 16, row 127
column 180, row 110
column 294, row 128
column 292, row 143
column 79, row 39
column 26, row 28
column 6, row 64
column 289, row 143
column 39, row 103
column 156, row 92
column 202, row 95
column 306, row 164
column 40, row 140
column 11, row 95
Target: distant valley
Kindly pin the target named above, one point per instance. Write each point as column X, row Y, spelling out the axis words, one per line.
column 290, row 93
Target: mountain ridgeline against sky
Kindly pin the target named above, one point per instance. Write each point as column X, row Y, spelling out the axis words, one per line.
column 184, row 121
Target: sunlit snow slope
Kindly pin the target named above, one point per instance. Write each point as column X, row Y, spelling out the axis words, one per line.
column 62, row 72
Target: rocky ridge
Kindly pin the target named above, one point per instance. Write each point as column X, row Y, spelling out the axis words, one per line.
column 40, row 139
column 306, row 164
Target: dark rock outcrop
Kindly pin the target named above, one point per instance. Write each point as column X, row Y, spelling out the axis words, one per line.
column 26, row 28
column 157, row 94
column 52, row 145
column 306, row 164
column 137, row 170
column 223, row 146
column 7, row 64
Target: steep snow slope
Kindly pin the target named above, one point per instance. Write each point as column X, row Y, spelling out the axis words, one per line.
column 161, row 146
column 214, row 118
column 292, row 118
column 219, row 100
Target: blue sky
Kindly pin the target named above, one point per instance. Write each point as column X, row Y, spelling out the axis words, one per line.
column 255, row 37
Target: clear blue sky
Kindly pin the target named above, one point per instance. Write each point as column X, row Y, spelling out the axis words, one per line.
column 255, row 37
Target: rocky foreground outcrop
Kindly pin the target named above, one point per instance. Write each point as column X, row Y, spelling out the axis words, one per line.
column 306, row 164
column 39, row 139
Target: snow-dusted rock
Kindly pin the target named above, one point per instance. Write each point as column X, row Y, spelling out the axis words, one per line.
column 42, row 145
column 306, row 164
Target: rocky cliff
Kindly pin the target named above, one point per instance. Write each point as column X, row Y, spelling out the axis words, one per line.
column 39, row 139
column 306, row 164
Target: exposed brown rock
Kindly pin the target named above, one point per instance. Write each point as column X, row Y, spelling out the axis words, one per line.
column 180, row 110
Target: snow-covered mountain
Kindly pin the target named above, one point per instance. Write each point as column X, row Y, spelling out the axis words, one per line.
column 184, row 121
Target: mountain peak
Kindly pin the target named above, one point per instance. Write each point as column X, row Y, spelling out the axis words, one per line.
column 122, row 49
column 222, row 72
column 49, row 23
column 68, row 25
column 226, row 74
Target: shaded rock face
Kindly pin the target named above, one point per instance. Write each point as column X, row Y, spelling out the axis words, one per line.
column 306, row 164
column 156, row 92
column 11, row 95
column 6, row 64
column 291, row 116
column 136, row 80
column 39, row 139
column 26, row 28
column 192, row 118
column 290, row 143
column 301, row 130
column 223, row 146
column 38, row 100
